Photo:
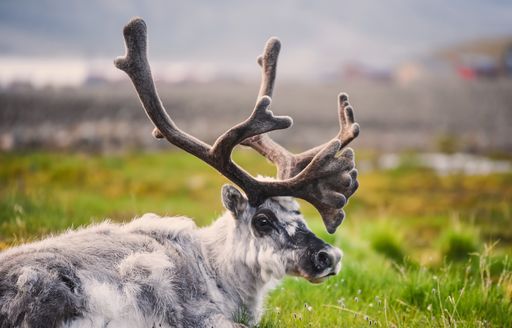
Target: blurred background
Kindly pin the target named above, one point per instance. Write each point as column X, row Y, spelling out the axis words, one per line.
column 430, row 81
column 422, row 76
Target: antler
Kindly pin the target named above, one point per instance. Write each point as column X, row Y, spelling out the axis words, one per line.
column 289, row 164
column 325, row 181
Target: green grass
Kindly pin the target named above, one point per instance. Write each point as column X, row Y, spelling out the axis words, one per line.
column 417, row 246
column 458, row 244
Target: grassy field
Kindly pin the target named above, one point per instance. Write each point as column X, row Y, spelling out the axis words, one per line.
column 420, row 249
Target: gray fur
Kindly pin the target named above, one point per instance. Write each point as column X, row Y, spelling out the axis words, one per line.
column 156, row 271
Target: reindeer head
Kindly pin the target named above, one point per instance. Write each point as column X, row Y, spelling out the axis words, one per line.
column 323, row 176
column 274, row 235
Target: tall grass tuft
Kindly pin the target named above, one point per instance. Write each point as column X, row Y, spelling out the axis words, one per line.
column 388, row 242
column 458, row 243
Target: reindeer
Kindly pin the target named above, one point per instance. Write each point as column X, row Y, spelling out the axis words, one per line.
column 166, row 272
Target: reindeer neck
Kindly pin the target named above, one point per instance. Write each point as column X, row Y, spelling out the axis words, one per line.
column 226, row 248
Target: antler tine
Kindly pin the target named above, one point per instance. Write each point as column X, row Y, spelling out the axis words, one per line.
column 268, row 64
column 328, row 181
column 262, row 143
column 349, row 130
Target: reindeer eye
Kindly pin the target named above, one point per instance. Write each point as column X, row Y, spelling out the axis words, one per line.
column 262, row 223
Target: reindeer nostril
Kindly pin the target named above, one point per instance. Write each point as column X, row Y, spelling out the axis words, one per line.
column 323, row 260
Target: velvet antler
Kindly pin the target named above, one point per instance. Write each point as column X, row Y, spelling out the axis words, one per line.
column 324, row 176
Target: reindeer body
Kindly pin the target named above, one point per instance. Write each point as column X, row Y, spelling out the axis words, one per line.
column 151, row 272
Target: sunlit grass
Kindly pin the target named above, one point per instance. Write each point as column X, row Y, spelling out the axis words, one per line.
column 408, row 262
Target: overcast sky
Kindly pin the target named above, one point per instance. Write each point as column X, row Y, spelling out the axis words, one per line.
column 317, row 36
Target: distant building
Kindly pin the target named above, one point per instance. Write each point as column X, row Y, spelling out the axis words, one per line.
column 489, row 58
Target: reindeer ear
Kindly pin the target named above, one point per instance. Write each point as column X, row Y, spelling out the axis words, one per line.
column 233, row 200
